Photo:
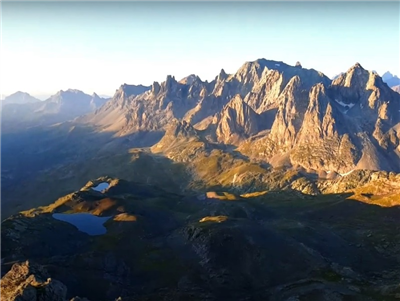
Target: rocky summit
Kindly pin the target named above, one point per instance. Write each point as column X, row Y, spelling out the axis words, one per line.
column 270, row 183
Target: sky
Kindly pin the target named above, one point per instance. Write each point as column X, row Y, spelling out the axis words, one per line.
column 98, row 46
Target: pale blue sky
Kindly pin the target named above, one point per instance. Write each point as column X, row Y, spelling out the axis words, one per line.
column 97, row 46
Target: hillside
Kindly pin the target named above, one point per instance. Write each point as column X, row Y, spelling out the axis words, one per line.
column 157, row 244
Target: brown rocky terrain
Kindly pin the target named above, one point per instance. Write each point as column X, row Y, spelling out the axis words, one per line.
column 272, row 245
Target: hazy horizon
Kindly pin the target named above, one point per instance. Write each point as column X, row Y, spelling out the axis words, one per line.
column 97, row 46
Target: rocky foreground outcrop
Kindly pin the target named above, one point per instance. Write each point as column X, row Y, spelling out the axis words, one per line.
column 29, row 281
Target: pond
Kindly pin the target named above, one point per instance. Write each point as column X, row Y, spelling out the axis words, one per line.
column 101, row 186
column 85, row 222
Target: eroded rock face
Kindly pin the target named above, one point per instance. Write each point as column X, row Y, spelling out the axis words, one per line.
column 288, row 120
column 351, row 123
column 31, row 282
column 236, row 121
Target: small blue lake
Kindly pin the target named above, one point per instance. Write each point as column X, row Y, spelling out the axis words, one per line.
column 101, row 186
column 85, row 222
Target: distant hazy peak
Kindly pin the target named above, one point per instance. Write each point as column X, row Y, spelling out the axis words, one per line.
column 387, row 74
column 62, row 93
column 19, row 97
column 74, row 91
column 390, row 79
column 19, row 93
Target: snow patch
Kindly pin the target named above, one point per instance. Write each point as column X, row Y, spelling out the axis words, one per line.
column 277, row 65
column 234, row 178
column 347, row 173
column 350, row 105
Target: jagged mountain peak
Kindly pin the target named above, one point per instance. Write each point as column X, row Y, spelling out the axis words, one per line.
column 190, row 79
column 252, row 70
column 318, row 97
column 262, row 63
column 170, row 79
column 357, row 65
column 222, row 76
column 155, row 87
column 249, row 72
column 95, row 95
column 169, row 84
column 126, row 90
column 293, row 83
column 270, row 64
column 319, row 87
column 356, row 75
column 358, row 83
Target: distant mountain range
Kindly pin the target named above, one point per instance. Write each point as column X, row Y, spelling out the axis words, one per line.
column 268, row 113
column 21, row 110
column 390, row 79
column 62, row 106
column 19, row 98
